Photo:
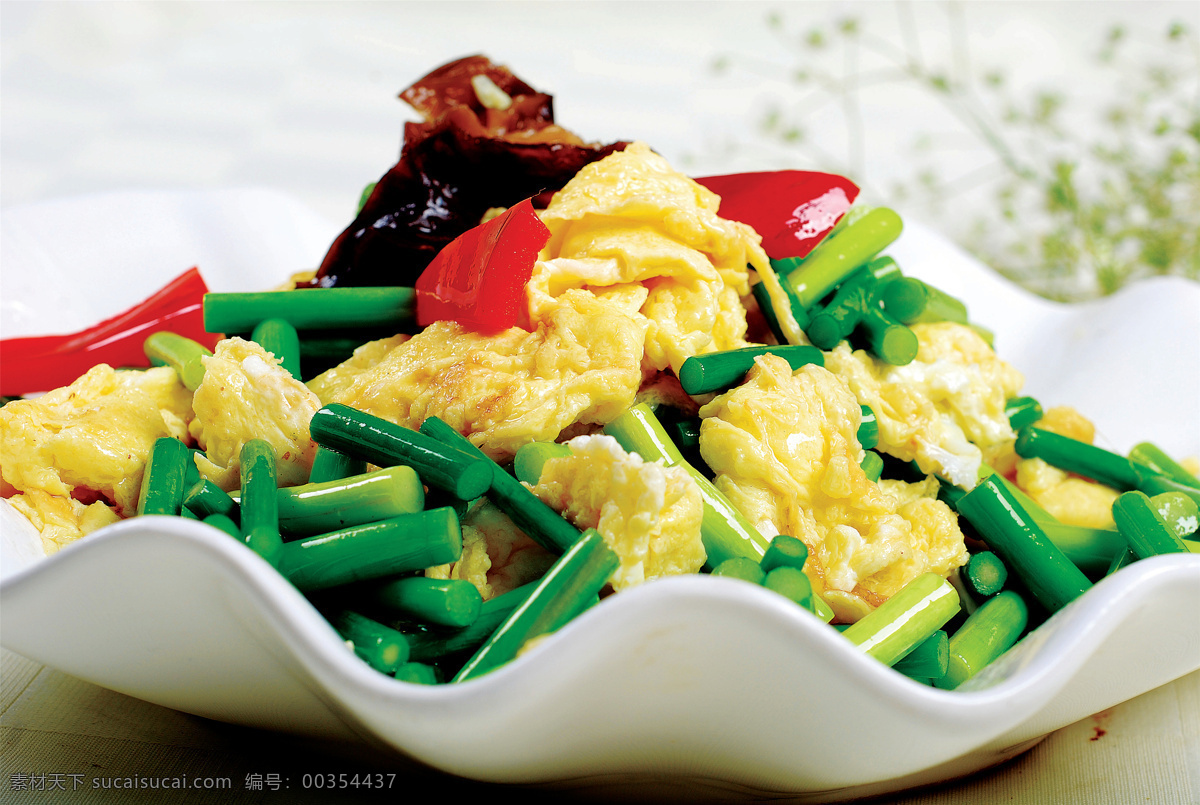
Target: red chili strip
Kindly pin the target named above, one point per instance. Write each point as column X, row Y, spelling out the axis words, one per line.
column 792, row 210
column 479, row 279
column 41, row 363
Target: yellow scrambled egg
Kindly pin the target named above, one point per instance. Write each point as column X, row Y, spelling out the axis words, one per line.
column 785, row 451
column 648, row 514
column 631, row 228
column 93, row 435
column 497, row 556
column 246, row 395
column 945, row 410
column 332, row 384
column 581, row 364
column 639, row 274
column 61, row 520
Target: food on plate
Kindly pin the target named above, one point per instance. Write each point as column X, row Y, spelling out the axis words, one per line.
column 41, row 363
column 91, row 439
column 246, row 394
column 945, row 409
column 649, row 514
column 563, row 370
column 785, row 452
column 488, row 140
column 582, row 364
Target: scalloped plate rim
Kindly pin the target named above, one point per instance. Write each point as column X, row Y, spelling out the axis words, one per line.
column 318, row 652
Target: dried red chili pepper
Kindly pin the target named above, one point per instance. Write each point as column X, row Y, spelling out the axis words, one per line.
column 792, row 210
column 41, row 363
column 479, row 279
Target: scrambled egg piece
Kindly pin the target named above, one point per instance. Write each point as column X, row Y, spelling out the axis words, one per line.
column 246, row 395
column 497, row 556
column 785, row 451
column 93, row 435
column 648, row 514
column 1069, row 498
column 582, row 364
column 638, row 275
column 945, row 409
column 640, row 234
column 333, row 383
column 61, row 520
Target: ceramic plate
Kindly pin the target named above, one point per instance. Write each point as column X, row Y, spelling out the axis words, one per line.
column 711, row 686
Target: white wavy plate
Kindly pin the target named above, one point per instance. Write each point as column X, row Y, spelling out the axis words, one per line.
column 712, row 686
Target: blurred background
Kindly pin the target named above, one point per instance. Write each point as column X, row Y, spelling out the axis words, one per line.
column 1059, row 141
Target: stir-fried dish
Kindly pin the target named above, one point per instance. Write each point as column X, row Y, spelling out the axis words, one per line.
column 535, row 371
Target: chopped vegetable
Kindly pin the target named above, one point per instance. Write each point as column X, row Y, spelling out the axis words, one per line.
column 990, row 631
column 835, row 258
column 1089, row 549
column 929, row 659
column 872, row 465
column 319, row 354
column 541, row 523
column 836, row 320
column 1012, row 533
column 1138, row 521
column 792, row 584
column 896, row 626
column 740, row 567
column 868, row 429
column 909, row 300
column 259, row 507
column 1022, row 411
column 1153, row 457
column 441, row 602
column 41, row 363
column 888, row 339
column 985, row 574
column 792, row 210
column 1178, row 511
column 330, row 465
column 380, row 442
column 568, row 588
column 381, row 647
column 164, row 477
column 313, row 309
column 280, row 338
column 1124, row 558
column 204, row 499
column 821, row 609
column 1079, row 457
column 323, row 507
column 785, row 551
column 478, row 280
column 418, row 673
column 372, row 551
column 530, row 459
column 1153, row 484
column 715, row 371
column 225, row 524
column 428, row 645
column 182, row 354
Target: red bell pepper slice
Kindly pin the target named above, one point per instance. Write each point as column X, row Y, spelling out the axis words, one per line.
column 792, row 210
column 479, row 278
column 41, row 363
